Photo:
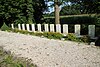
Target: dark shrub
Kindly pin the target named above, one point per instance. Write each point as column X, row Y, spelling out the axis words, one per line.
column 5, row 27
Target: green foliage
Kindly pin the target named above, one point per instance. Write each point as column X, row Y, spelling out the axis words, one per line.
column 55, row 35
column 70, row 10
column 5, row 27
column 23, row 11
column 74, row 20
column 52, row 35
column 15, row 11
column 72, row 7
column 20, row 31
column 97, row 25
column 98, row 19
column 39, row 8
column 84, row 38
column 72, row 37
column 38, row 34
column 88, row 6
column 50, row 20
column 7, row 60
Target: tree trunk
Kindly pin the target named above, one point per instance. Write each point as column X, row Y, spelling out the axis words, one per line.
column 57, row 10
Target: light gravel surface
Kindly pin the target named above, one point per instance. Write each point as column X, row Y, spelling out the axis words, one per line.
column 51, row 53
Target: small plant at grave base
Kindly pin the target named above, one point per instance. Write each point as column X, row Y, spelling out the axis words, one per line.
column 20, row 31
column 15, row 30
column 31, row 33
column 7, row 60
column 55, row 35
column 72, row 37
column 24, row 32
column 38, row 33
column 52, row 35
column 85, row 38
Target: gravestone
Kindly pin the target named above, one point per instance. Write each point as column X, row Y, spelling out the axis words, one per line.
column 52, row 28
column 58, row 28
column 46, row 28
column 12, row 26
column 23, row 26
column 91, row 31
column 19, row 27
column 77, row 30
column 27, row 27
column 65, row 29
column 33, row 27
column 39, row 27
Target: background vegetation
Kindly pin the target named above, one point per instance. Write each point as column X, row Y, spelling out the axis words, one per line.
column 21, row 11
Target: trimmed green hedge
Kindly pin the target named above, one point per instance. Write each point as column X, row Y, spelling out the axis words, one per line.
column 74, row 20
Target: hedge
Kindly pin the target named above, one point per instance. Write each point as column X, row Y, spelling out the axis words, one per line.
column 74, row 20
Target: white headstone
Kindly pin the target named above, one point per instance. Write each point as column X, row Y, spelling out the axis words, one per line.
column 12, row 26
column 46, row 28
column 52, row 28
column 65, row 29
column 39, row 27
column 19, row 27
column 33, row 27
column 58, row 28
column 77, row 30
column 91, row 31
column 27, row 27
column 23, row 26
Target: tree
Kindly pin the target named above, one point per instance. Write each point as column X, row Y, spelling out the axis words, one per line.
column 72, row 9
column 8, row 12
column 81, row 7
column 39, row 7
column 21, row 11
column 88, row 6
column 57, row 3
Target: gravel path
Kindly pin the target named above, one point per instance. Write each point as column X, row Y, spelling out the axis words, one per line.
column 51, row 53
